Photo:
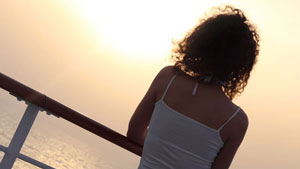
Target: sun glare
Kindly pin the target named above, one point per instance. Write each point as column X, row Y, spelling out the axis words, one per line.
column 141, row 29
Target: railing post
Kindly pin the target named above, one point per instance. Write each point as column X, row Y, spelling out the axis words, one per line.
column 19, row 137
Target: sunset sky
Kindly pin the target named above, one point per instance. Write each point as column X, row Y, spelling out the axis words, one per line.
column 99, row 58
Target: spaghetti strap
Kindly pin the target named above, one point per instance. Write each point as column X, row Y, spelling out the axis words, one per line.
column 169, row 84
column 231, row 117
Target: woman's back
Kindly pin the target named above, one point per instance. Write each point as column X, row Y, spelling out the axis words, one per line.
column 208, row 105
column 195, row 125
column 184, row 131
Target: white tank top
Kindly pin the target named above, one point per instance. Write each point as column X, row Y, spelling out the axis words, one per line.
column 176, row 141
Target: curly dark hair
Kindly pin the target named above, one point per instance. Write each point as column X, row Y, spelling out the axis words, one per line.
column 221, row 48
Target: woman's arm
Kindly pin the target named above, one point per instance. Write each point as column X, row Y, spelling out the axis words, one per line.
column 238, row 128
column 138, row 124
column 137, row 128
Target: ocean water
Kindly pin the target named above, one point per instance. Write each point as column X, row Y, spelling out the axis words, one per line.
column 56, row 150
column 51, row 146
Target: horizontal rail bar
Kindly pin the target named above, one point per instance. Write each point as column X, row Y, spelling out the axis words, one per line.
column 26, row 93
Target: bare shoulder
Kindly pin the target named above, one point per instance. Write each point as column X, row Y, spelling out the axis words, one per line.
column 237, row 129
column 239, row 125
column 242, row 120
column 164, row 75
column 161, row 80
column 166, row 72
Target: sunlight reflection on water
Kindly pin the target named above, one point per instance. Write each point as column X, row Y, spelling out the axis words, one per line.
column 57, row 150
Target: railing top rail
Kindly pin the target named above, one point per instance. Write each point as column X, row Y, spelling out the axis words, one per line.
column 28, row 94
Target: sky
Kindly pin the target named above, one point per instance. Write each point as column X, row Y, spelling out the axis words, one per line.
column 99, row 58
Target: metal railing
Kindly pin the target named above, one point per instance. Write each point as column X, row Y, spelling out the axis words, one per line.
column 36, row 102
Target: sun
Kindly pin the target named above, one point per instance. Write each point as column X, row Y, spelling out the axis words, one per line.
column 138, row 29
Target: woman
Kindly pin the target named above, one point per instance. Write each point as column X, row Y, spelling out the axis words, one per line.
column 187, row 119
